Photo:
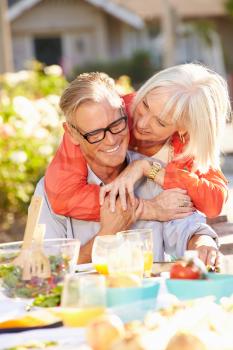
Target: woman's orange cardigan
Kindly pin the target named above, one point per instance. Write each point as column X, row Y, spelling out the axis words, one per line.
column 69, row 193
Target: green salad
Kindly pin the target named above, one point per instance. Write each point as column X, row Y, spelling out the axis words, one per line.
column 34, row 345
column 14, row 286
column 7, row 258
column 52, row 299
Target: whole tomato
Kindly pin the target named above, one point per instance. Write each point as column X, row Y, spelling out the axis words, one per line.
column 185, row 270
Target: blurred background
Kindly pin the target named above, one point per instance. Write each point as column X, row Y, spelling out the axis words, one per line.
column 46, row 43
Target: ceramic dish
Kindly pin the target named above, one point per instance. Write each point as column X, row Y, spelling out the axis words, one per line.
column 218, row 285
column 119, row 296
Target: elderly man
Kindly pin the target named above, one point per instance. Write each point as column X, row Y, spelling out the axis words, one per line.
column 95, row 120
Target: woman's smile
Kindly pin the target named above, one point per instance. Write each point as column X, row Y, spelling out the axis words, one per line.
column 143, row 131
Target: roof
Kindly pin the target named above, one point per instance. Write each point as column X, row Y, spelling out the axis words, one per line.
column 19, row 7
column 111, row 7
column 119, row 11
column 151, row 9
column 12, row 2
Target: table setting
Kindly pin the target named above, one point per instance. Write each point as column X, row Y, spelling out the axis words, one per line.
column 158, row 319
column 122, row 300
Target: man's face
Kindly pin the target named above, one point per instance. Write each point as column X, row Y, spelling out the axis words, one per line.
column 91, row 116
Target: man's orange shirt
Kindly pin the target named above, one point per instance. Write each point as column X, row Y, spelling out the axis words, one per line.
column 69, row 193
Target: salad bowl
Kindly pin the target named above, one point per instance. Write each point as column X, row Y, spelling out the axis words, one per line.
column 62, row 255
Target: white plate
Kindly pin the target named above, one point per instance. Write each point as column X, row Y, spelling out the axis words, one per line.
column 12, row 307
column 67, row 338
column 85, row 268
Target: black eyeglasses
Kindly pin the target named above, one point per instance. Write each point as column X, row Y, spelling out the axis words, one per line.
column 99, row 134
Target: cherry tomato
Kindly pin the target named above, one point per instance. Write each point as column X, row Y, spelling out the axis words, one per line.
column 184, row 270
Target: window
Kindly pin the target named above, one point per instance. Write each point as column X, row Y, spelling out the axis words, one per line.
column 48, row 50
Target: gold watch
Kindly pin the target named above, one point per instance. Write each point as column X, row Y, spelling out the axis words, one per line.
column 155, row 168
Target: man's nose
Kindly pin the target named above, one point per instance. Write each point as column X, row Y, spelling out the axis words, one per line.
column 110, row 138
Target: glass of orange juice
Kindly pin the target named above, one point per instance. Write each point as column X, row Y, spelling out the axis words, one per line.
column 103, row 247
column 129, row 260
column 145, row 236
column 83, row 299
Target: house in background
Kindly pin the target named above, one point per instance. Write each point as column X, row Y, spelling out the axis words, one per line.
column 75, row 32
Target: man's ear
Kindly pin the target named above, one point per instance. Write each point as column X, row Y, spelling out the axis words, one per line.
column 69, row 132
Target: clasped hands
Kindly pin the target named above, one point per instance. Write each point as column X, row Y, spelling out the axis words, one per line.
column 168, row 205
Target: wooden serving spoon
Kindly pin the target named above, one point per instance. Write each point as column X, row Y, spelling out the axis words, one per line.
column 24, row 259
column 40, row 265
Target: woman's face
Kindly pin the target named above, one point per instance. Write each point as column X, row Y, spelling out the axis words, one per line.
column 149, row 128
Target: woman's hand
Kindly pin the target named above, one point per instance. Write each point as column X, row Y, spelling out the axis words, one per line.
column 124, row 184
column 168, row 205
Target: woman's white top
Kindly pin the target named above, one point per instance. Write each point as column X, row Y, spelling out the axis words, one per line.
column 165, row 153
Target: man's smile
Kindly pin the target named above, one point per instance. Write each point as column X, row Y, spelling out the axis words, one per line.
column 112, row 150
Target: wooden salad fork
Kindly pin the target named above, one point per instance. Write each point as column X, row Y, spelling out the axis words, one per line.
column 24, row 259
column 40, row 266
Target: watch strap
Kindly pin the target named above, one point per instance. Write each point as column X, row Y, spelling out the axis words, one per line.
column 155, row 168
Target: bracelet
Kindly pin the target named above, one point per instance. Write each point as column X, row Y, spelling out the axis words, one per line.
column 154, row 170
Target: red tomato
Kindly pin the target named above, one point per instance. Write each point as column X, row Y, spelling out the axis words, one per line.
column 182, row 270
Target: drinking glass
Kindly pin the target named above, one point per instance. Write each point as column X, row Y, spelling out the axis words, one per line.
column 145, row 237
column 83, row 298
column 129, row 260
column 226, row 265
column 103, row 247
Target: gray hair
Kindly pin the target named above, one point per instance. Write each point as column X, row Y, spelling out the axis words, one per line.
column 199, row 103
column 86, row 87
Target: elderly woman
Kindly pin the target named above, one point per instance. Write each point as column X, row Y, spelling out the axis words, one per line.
column 176, row 119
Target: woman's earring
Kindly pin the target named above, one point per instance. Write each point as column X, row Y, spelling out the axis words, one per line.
column 182, row 139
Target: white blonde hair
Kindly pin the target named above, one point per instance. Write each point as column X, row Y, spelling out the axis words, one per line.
column 94, row 86
column 199, row 103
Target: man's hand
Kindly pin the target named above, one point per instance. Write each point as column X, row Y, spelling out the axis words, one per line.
column 112, row 223
column 168, row 205
column 207, row 249
column 121, row 219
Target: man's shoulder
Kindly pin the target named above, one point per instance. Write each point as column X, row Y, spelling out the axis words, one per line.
column 131, row 155
column 40, row 190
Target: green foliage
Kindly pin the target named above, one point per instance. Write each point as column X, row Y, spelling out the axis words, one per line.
column 229, row 7
column 204, row 29
column 139, row 67
column 30, row 130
